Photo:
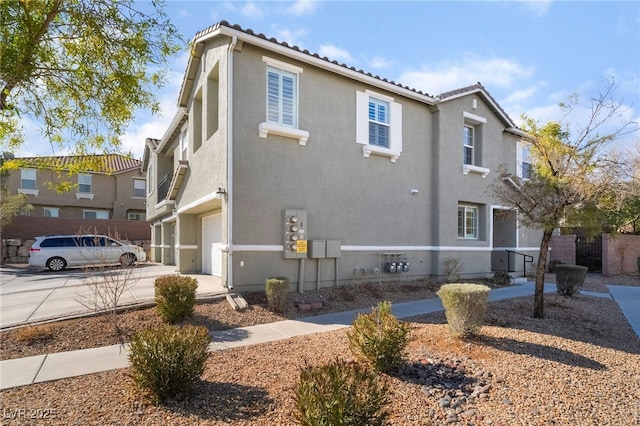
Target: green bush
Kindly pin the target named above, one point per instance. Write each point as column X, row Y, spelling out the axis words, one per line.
column 167, row 361
column 464, row 306
column 340, row 394
column 175, row 297
column 277, row 289
column 569, row 278
column 379, row 338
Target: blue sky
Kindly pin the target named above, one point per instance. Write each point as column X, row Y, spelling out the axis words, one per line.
column 530, row 55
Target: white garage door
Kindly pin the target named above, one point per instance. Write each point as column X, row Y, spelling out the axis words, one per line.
column 211, row 239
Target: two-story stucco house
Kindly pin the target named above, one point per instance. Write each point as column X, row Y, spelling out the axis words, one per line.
column 283, row 163
column 114, row 190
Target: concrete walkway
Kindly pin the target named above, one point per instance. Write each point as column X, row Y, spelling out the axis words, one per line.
column 42, row 368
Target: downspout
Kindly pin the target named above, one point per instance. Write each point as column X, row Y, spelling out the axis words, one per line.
column 232, row 46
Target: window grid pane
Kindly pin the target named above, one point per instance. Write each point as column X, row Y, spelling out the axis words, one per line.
column 468, row 222
column 84, row 183
column 468, row 145
column 378, row 123
column 282, row 97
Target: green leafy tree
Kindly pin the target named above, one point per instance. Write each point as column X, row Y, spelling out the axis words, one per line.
column 81, row 68
column 573, row 168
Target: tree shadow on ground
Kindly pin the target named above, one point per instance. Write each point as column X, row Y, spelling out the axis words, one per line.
column 222, row 401
column 549, row 353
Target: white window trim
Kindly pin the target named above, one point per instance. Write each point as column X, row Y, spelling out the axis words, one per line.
column 145, row 188
column 464, row 219
column 362, row 126
column 84, row 196
column 469, row 168
column 52, row 209
column 521, row 145
column 265, row 128
column 96, row 211
column 35, row 192
column 184, row 142
column 474, row 120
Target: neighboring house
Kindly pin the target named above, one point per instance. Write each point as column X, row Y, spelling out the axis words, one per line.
column 283, row 163
column 114, row 191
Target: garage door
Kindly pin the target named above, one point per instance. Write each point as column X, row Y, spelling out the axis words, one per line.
column 211, row 240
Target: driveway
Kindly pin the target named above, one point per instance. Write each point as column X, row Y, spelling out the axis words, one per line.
column 28, row 295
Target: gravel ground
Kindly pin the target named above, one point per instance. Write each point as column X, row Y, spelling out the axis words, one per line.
column 580, row 365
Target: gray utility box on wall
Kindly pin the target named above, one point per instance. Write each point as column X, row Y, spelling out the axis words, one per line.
column 321, row 249
column 295, row 234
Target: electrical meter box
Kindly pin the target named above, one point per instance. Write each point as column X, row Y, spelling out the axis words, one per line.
column 295, row 234
column 317, row 249
column 333, row 248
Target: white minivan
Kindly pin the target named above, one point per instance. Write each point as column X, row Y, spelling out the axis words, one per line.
column 58, row 252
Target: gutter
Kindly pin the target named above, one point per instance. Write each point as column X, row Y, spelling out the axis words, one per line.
column 232, row 46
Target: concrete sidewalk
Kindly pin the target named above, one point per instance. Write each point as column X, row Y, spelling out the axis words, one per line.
column 42, row 368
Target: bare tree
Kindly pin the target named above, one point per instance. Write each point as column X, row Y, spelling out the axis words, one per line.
column 107, row 284
column 572, row 168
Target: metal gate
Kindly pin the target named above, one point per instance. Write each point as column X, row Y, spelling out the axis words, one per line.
column 589, row 253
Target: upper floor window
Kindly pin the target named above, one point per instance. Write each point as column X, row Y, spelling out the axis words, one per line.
column 282, row 97
column 28, row 182
column 139, row 188
column 472, row 134
column 28, row 178
column 84, row 183
column 50, row 211
column 136, row 216
column 378, row 124
column 282, row 101
column 468, row 222
column 468, row 144
column 184, row 144
column 523, row 166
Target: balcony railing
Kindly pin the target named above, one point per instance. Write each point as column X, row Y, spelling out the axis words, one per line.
column 163, row 187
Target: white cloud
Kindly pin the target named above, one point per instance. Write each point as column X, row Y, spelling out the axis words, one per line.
column 251, row 10
column 493, row 72
column 537, row 7
column 333, row 52
column 303, row 7
column 292, row 37
column 379, row 63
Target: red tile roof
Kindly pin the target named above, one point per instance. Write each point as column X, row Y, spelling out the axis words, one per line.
column 99, row 163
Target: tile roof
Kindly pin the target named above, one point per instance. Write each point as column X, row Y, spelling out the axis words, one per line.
column 98, row 163
column 250, row 32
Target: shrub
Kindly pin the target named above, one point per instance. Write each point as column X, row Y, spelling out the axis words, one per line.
column 569, row 278
column 464, row 305
column 175, row 297
column 452, row 269
column 167, row 361
column 277, row 289
column 553, row 264
column 34, row 333
column 501, row 278
column 340, row 394
column 379, row 338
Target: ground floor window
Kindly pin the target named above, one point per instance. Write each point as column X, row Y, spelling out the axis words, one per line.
column 468, row 222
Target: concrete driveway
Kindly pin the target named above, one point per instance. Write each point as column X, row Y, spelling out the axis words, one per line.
column 29, row 296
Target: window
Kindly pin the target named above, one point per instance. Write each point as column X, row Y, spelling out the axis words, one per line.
column 50, row 211
column 28, row 178
column 378, row 122
column 84, row 183
column 468, row 145
column 136, row 216
column 282, row 101
column 151, row 174
column 468, row 222
column 523, row 169
column 95, row 214
column 472, row 133
column 184, row 144
column 378, row 125
column 282, row 97
column 139, row 188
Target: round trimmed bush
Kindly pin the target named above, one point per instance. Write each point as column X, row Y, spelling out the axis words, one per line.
column 569, row 278
column 464, row 306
